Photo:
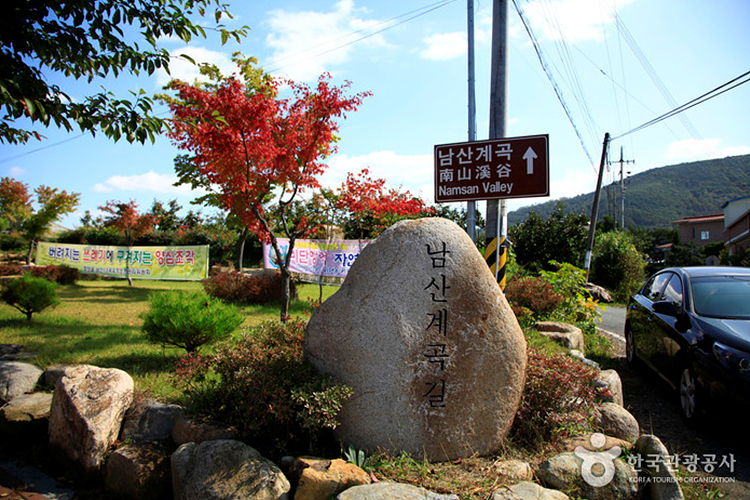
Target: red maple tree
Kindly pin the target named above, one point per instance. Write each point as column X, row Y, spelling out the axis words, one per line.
column 258, row 146
column 125, row 219
column 372, row 207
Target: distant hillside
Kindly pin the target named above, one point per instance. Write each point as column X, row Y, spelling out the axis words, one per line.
column 660, row 196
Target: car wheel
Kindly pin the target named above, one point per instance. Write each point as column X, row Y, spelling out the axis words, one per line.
column 630, row 355
column 690, row 401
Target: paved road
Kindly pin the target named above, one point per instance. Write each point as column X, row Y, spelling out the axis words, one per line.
column 613, row 322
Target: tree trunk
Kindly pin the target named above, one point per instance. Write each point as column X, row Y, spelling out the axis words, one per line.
column 286, row 281
column 31, row 251
column 241, row 248
column 127, row 267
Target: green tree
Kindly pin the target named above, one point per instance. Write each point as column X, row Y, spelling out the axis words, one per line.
column 53, row 204
column 189, row 319
column 83, row 39
column 560, row 237
column 29, row 294
column 617, row 265
column 17, row 209
column 688, row 254
column 166, row 217
column 125, row 219
column 15, row 204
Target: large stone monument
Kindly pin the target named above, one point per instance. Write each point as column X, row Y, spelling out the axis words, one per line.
column 423, row 334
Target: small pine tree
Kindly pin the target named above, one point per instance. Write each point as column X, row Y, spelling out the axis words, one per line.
column 30, row 295
column 189, row 319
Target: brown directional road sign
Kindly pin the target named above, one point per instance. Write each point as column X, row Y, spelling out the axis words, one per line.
column 514, row 167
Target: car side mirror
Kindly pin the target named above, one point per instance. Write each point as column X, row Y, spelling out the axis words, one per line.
column 665, row 307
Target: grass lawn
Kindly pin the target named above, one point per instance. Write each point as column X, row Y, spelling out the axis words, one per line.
column 99, row 323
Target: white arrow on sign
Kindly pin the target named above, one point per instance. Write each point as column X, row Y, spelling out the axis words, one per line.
column 529, row 156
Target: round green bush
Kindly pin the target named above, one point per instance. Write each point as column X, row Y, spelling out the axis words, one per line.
column 617, row 265
column 189, row 319
column 29, row 294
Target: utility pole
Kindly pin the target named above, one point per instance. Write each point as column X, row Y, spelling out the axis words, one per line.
column 497, row 218
column 622, row 188
column 595, row 207
column 471, row 224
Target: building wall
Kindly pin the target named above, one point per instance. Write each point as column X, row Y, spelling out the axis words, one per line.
column 737, row 236
column 701, row 232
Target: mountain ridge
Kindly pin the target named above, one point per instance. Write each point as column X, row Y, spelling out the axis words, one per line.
column 659, row 196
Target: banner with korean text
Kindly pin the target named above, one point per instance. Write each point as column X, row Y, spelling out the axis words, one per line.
column 317, row 261
column 152, row 262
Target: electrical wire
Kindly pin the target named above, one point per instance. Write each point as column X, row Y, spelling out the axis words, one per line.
column 429, row 8
column 643, row 60
column 551, row 78
column 420, row 12
column 11, row 158
column 725, row 87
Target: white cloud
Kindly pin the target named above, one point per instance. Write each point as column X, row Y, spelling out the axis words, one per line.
column 150, row 182
column 410, row 172
column 701, row 149
column 444, row 46
column 572, row 20
column 16, row 171
column 306, row 43
column 186, row 71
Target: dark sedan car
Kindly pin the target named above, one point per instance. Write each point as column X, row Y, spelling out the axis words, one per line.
column 692, row 326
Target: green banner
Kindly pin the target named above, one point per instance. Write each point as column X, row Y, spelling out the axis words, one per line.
column 159, row 263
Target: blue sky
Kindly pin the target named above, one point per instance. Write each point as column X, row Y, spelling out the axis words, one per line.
column 608, row 72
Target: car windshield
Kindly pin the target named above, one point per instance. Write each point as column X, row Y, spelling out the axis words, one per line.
column 725, row 297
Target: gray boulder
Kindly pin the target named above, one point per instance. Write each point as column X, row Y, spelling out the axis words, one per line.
column 514, row 470
column 614, row 420
column 568, row 336
column 660, row 478
column 53, row 373
column 422, row 333
column 391, row 491
column 14, row 352
column 599, row 477
column 26, row 416
column 190, row 431
column 150, row 421
column 88, row 406
column 138, row 472
column 611, row 380
column 16, row 378
column 225, row 470
column 526, row 490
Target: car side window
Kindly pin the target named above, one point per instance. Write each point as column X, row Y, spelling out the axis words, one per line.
column 653, row 288
column 673, row 291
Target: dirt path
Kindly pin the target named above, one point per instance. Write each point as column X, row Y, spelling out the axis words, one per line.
column 654, row 404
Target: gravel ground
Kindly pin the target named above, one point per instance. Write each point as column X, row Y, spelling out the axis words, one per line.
column 655, row 405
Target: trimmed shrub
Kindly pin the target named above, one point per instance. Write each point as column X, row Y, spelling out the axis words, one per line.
column 559, row 399
column 63, row 275
column 532, row 298
column 67, row 275
column 239, row 288
column 263, row 385
column 11, row 270
column 29, row 294
column 189, row 319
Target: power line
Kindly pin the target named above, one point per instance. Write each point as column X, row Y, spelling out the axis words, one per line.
column 551, row 78
column 651, row 72
column 725, row 87
column 6, row 160
column 420, row 12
